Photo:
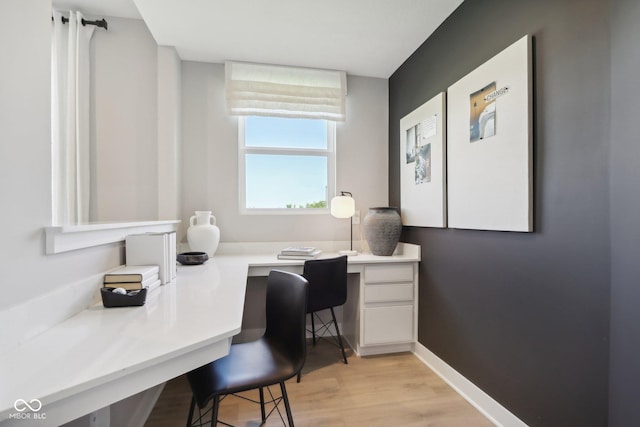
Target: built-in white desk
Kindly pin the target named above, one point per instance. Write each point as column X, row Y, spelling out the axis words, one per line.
column 100, row 356
column 380, row 315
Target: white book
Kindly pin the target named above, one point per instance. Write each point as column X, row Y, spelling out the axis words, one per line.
column 132, row 273
column 158, row 248
column 133, row 285
column 173, row 270
column 310, row 255
column 153, row 285
column 298, row 250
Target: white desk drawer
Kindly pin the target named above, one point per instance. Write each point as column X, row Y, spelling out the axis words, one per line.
column 388, row 292
column 388, row 325
column 388, row 273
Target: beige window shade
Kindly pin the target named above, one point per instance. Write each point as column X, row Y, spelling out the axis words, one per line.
column 271, row 90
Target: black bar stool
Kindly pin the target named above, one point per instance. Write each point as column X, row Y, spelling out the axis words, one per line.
column 327, row 289
column 274, row 358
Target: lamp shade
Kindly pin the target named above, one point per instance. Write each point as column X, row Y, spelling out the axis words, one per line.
column 343, row 206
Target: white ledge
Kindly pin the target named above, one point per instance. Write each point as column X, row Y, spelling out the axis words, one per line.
column 65, row 238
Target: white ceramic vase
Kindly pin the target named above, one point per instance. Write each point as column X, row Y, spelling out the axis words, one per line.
column 203, row 235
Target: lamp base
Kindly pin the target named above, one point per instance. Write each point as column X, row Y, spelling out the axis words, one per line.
column 348, row 252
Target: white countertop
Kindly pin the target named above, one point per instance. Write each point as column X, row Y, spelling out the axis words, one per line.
column 260, row 256
column 103, row 355
column 98, row 346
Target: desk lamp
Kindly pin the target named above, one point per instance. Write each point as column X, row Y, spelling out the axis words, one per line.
column 343, row 206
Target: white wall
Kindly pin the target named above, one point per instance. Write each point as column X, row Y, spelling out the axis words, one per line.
column 210, row 160
column 25, row 167
column 169, row 134
column 124, row 122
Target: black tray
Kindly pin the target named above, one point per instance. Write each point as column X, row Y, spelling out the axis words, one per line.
column 130, row 299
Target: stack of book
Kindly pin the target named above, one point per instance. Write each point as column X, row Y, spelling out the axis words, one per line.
column 132, row 277
column 299, row 252
column 153, row 249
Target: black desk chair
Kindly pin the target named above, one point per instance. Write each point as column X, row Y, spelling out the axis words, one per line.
column 274, row 358
column 327, row 289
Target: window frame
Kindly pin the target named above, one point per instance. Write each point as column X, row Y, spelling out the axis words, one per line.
column 243, row 151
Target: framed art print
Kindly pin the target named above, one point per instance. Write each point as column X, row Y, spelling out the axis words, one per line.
column 489, row 144
column 423, row 166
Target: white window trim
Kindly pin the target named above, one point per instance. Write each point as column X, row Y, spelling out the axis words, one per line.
column 330, row 153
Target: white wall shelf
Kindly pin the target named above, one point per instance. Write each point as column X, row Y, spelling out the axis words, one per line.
column 71, row 237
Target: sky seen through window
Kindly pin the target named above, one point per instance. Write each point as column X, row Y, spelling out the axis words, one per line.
column 278, row 180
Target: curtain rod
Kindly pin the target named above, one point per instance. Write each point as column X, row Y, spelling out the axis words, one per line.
column 102, row 23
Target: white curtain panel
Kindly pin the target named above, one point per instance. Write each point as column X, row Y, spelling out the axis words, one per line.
column 272, row 90
column 70, row 115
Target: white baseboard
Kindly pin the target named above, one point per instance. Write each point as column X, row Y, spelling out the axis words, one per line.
column 484, row 403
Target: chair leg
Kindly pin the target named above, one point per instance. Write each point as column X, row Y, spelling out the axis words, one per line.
column 262, row 413
column 286, row 403
column 313, row 329
column 214, row 411
column 344, row 356
column 191, row 409
column 299, row 375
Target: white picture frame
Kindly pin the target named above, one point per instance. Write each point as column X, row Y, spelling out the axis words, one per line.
column 423, row 165
column 489, row 153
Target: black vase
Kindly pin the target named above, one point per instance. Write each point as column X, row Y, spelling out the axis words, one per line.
column 382, row 227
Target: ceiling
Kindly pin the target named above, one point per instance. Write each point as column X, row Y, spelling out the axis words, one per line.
column 362, row 37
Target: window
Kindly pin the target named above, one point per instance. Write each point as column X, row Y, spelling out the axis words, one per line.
column 287, row 165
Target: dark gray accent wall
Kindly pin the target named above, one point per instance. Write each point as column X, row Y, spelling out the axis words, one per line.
column 525, row 316
column 625, row 214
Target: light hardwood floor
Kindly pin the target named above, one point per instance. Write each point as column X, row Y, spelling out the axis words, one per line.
column 390, row 390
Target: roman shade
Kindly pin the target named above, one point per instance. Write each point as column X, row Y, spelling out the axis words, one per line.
column 273, row 90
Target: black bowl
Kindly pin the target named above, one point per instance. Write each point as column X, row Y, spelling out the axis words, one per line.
column 192, row 258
